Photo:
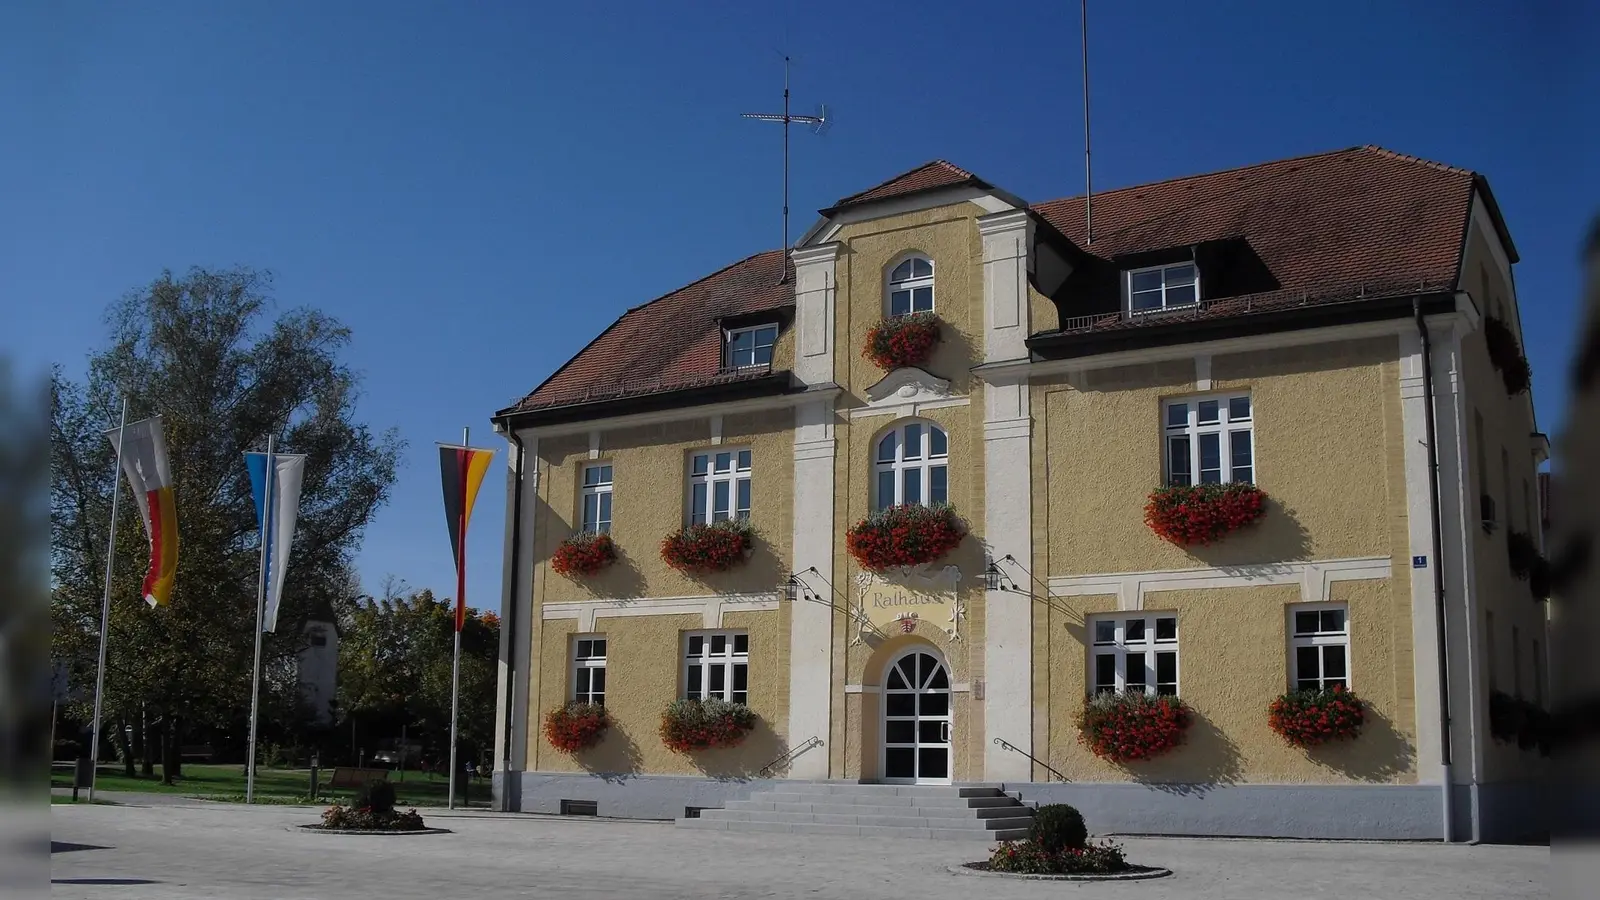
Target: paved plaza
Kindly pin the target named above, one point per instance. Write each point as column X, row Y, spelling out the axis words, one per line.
column 202, row 850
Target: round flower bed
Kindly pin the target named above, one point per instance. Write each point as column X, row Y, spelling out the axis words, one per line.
column 575, row 726
column 1058, row 847
column 1311, row 717
column 905, row 536
column 717, row 547
column 1195, row 514
column 371, row 810
column 585, row 553
column 689, row 725
column 902, row 341
column 1132, row 726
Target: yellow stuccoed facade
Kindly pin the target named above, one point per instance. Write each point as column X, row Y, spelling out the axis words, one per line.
column 1334, row 448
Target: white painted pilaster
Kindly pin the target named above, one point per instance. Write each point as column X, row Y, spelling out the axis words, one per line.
column 1007, row 259
column 1419, row 530
column 815, row 288
column 811, row 625
column 1008, row 617
column 516, row 612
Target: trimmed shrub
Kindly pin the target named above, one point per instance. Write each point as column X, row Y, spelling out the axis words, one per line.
column 376, row 797
column 1057, row 827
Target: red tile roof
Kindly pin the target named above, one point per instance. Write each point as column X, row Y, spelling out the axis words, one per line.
column 671, row 342
column 1324, row 224
column 1330, row 226
column 929, row 175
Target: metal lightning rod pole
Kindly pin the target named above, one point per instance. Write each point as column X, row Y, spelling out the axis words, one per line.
column 261, row 602
column 1088, row 189
column 105, row 606
column 461, row 599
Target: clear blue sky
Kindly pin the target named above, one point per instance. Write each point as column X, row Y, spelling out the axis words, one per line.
column 478, row 188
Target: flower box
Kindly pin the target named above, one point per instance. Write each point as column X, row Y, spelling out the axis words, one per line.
column 1196, row 514
column 1132, row 726
column 905, row 536
column 584, row 554
column 1506, row 356
column 901, row 341
column 1306, row 718
column 1528, row 564
column 717, row 547
column 576, row 726
column 690, row 725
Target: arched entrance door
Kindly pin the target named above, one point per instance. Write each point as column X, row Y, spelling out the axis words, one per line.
column 916, row 720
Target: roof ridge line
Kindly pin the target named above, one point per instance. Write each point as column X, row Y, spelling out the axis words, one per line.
column 691, row 284
column 1176, row 178
column 893, row 178
column 1407, row 157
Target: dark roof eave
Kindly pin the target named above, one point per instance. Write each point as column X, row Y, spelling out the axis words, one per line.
column 771, row 385
column 1071, row 345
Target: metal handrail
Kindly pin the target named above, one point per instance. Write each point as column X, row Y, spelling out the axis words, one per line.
column 808, row 744
column 1001, row 742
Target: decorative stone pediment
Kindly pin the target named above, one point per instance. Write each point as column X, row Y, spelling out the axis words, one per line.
column 907, row 390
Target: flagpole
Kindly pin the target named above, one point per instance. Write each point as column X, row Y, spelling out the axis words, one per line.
column 261, row 601
column 455, row 664
column 105, row 604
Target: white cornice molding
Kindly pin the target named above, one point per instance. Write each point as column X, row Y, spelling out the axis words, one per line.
column 819, row 253
column 681, row 413
column 1004, row 221
column 989, row 200
column 710, row 608
column 1315, row 579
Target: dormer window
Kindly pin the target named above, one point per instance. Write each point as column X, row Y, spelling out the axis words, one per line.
column 1161, row 288
column 911, row 287
column 750, row 348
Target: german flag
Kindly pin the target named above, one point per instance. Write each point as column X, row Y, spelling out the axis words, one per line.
column 462, row 469
column 142, row 451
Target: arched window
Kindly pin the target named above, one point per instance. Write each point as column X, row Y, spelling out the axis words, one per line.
column 911, row 287
column 913, row 466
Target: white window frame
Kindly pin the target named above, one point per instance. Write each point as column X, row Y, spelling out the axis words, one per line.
column 1127, row 288
column 586, row 660
column 1320, row 638
column 730, row 662
column 1115, row 644
column 604, row 502
column 921, row 468
column 705, row 476
column 1225, row 426
column 729, row 335
column 911, row 285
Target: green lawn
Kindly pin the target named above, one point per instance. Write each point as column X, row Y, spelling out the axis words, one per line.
column 227, row 783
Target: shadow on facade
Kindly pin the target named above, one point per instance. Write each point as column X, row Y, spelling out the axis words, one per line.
column 1379, row 754
column 760, row 747
column 1206, row 759
column 1277, row 537
column 616, row 758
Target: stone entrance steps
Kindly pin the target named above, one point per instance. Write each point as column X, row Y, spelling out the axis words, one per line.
column 875, row 810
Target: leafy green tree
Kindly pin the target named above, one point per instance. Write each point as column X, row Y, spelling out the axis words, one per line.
column 202, row 351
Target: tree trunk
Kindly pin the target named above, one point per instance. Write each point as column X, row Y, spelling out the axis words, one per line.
column 147, row 749
column 177, row 747
column 169, row 751
column 123, row 748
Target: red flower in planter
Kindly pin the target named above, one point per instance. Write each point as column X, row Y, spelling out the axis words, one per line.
column 1310, row 717
column 689, row 725
column 902, row 340
column 717, row 547
column 905, row 536
column 1132, row 726
column 584, row 553
column 1506, row 356
column 575, row 726
column 1202, row 513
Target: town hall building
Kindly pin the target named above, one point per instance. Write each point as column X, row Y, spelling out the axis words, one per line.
column 1332, row 341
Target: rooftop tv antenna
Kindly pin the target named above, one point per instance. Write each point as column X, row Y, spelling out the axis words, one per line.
column 819, row 125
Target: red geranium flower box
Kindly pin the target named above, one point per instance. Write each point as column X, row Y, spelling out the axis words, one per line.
column 905, row 536
column 1132, row 726
column 583, row 554
column 575, row 726
column 1307, row 718
column 701, row 548
column 902, row 340
column 1190, row 514
column 690, row 725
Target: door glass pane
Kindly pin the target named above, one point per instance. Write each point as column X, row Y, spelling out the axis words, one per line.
column 930, row 731
column 933, row 704
column 911, row 486
column 913, row 442
column 899, row 731
column 940, row 680
column 938, row 484
column 908, row 669
column 896, row 682
column 933, row 762
column 1211, row 458
column 900, row 704
column 899, row 762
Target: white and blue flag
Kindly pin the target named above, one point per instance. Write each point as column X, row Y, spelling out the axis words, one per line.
column 276, row 518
